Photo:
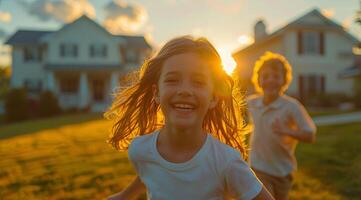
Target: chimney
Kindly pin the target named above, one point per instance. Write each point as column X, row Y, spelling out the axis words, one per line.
column 259, row 30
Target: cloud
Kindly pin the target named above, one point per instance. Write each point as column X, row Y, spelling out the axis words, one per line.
column 329, row 13
column 346, row 23
column 124, row 18
column 63, row 11
column 5, row 16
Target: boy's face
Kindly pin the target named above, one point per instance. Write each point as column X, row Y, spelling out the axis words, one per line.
column 271, row 80
column 185, row 90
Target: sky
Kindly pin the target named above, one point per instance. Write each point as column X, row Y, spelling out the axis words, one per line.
column 228, row 24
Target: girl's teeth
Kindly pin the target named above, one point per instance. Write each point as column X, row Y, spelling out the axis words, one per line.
column 184, row 106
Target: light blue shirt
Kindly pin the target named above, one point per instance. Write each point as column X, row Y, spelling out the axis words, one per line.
column 215, row 172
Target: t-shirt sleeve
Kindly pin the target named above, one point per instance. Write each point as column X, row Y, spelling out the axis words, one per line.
column 241, row 182
column 134, row 157
column 303, row 120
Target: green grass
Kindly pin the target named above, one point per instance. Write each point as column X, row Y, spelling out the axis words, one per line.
column 68, row 158
column 31, row 126
column 330, row 168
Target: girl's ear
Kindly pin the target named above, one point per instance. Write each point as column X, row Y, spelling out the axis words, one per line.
column 156, row 93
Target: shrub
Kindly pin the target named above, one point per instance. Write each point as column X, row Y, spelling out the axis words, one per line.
column 16, row 105
column 327, row 100
column 48, row 104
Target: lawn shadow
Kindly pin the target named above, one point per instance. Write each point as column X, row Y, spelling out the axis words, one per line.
column 31, row 126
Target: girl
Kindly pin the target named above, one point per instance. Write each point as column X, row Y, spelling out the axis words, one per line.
column 183, row 158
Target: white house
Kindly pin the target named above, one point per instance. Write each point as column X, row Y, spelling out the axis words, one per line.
column 81, row 63
column 318, row 49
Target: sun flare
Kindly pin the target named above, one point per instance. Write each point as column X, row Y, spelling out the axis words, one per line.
column 228, row 62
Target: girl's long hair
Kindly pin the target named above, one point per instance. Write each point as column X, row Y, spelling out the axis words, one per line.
column 136, row 113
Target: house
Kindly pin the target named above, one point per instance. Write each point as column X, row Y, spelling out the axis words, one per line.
column 318, row 49
column 81, row 63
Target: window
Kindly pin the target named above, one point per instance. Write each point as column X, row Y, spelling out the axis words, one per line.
column 98, row 50
column 311, row 43
column 311, row 85
column 33, row 86
column 69, row 85
column 32, row 54
column 68, row 50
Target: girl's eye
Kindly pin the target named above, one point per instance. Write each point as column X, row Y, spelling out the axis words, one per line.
column 199, row 82
column 171, row 80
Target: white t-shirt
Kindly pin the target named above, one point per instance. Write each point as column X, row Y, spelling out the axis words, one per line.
column 215, row 172
column 273, row 153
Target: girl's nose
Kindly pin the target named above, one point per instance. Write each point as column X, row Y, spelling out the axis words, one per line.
column 185, row 90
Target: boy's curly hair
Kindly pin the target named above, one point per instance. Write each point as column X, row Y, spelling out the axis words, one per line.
column 270, row 59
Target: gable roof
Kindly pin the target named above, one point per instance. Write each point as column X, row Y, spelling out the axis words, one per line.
column 32, row 37
column 77, row 21
column 301, row 23
column 27, row 37
column 135, row 41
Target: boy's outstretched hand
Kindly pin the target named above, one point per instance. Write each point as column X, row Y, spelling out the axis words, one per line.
column 280, row 128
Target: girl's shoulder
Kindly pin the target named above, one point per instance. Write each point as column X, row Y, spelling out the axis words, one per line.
column 142, row 144
column 143, row 139
column 253, row 98
column 223, row 152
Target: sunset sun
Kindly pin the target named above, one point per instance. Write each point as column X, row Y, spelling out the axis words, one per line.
column 228, row 62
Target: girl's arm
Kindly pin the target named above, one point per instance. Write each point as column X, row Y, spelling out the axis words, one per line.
column 264, row 195
column 130, row 192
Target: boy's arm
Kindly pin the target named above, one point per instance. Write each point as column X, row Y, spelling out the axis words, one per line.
column 264, row 195
column 130, row 192
column 306, row 129
column 301, row 135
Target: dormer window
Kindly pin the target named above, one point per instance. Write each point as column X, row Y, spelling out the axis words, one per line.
column 311, row 43
column 98, row 50
column 68, row 50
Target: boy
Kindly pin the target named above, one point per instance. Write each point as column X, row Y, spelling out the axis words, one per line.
column 279, row 121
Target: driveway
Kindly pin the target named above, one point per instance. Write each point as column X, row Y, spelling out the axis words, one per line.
column 338, row 119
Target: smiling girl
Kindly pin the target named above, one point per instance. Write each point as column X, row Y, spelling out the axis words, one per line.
column 197, row 153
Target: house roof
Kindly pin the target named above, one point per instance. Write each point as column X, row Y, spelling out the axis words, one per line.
column 350, row 72
column 135, row 41
column 300, row 23
column 27, row 37
column 31, row 37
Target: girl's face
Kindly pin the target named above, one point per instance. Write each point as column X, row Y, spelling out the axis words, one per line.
column 271, row 80
column 185, row 90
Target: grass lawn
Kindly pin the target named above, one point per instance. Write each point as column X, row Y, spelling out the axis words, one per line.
column 68, row 158
column 330, row 169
